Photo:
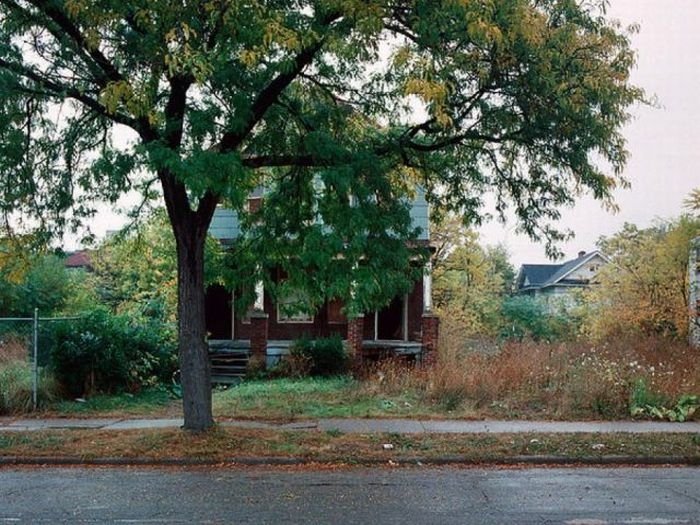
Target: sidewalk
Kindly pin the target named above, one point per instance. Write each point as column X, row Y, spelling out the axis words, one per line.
column 368, row 426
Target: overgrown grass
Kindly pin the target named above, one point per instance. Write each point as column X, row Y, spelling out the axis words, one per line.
column 155, row 402
column 16, row 380
column 650, row 377
column 565, row 381
column 288, row 399
column 573, row 380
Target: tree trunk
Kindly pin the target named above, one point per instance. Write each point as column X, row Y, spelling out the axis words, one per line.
column 193, row 350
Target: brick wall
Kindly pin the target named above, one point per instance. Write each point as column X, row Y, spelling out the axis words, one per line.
column 430, row 334
column 258, row 336
column 354, row 336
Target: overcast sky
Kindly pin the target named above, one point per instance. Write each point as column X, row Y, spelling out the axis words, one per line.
column 664, row 142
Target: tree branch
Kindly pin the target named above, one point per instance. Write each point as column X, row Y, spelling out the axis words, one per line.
column 60, row 18
column 52, row 88
column 177, row 201
column 268, row 96
column 277, row 161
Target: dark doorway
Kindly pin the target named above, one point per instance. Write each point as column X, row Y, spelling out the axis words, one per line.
column 390, row 320
column 218, row 312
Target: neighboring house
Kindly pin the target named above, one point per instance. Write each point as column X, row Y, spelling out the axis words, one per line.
column 559, row 280
column 694, row 293
column 78, row 260
column 405, row 326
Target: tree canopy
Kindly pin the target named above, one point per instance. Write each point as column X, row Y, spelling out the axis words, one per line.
column 203, row 100
column 646, row 287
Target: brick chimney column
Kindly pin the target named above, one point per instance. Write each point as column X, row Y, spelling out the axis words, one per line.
column 355, row 330
column 430, row 330
column 258, row 336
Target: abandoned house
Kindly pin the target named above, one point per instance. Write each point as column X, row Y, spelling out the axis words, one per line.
column 405, row 327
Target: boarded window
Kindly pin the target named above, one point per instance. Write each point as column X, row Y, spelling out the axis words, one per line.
column 254, row 204
column 335, row 312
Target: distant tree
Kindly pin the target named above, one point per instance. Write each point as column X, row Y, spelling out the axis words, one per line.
column 32, row 279
column 692, row 202
column 135, row 271
column 208, row 98
column 470, row 281
column 646, row 286
column 447, row 233
column 499, row 259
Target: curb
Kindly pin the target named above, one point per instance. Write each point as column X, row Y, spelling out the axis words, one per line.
column 370, row 462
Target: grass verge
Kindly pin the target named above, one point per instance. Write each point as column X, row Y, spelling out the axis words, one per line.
column 155, row 402
column 224, row 444
column 310, row 398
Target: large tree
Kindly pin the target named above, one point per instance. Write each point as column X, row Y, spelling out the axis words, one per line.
column 519, row 98
column 645, row 288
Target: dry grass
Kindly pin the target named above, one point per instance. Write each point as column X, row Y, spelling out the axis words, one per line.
column 16, row 379
column 13, row 348
column 574, row 380
column 224, row 444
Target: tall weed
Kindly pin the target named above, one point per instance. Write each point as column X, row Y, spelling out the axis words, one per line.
column 16, row 388
column 535, row 379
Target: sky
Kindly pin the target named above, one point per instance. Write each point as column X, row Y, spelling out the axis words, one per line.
column 664, row 142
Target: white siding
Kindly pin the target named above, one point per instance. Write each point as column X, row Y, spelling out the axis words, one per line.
column 587, row 271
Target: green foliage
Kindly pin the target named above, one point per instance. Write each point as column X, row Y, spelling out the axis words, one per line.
column 325, row 356
column 44, row 283
column 517, row 95
column 135, row 272
column 469, row 281
column 646, row 404
column 531, row 317
column 102, row 352
column 16, row 388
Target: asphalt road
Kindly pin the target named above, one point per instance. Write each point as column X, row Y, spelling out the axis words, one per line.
column 581, row 496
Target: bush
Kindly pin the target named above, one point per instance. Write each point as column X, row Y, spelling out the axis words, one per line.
column 108, row 353
column 320, row 357
column 531, row 317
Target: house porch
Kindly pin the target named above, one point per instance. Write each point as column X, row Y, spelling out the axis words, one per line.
column 229, row 357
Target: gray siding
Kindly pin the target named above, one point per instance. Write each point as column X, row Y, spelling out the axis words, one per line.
column 420, row 214
column 225, row 225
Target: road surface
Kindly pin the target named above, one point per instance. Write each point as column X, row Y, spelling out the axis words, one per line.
column 574, row 496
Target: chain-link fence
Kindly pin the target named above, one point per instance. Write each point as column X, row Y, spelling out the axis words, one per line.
column 20, row 343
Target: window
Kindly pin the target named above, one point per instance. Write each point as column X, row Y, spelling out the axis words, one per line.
column 335, row 312
column 288, row 312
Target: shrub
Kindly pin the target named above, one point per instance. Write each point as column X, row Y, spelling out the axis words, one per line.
column 531, row 317
column 324, row 356
column 649, row 404
column 106, row 353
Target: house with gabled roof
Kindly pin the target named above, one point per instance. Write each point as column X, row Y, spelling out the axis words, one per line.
column 552, row 280
column 404, row 327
